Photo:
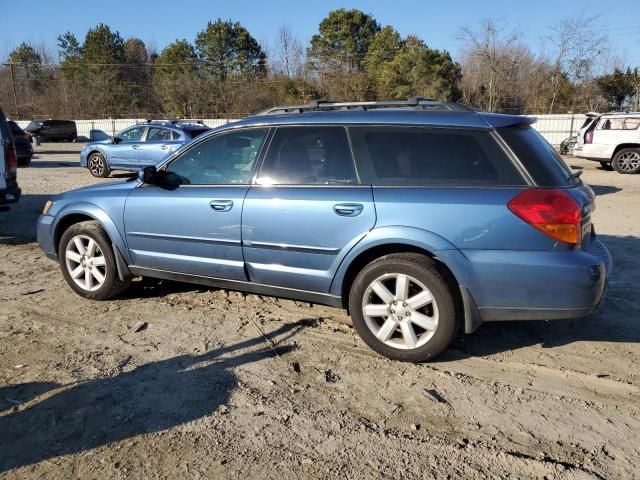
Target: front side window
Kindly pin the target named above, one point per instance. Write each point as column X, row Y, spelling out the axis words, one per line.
column 430, row 157
column 224, row 159
column 157, row 134
column 308, row 156
column 132, row 135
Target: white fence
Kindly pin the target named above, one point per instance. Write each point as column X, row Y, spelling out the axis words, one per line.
column 554, row 128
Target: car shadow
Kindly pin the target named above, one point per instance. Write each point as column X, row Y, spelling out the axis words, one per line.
column 614, row 320
column 53, row 163
column 604, row 189
column 150, row 398
column 18, row 225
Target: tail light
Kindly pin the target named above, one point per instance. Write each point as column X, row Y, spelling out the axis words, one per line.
column 553, row 212
column 11, row 161
column 588, row 137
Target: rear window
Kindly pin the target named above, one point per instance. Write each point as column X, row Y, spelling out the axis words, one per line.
column 425, row 156
column 541, row 160
column 15, row 128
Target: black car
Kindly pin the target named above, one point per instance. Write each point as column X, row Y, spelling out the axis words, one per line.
column 22, row 143
column 9, row 190
column 53, row 130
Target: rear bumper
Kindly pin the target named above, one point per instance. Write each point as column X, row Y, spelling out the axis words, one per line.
column 9, row 195
column 532, row 285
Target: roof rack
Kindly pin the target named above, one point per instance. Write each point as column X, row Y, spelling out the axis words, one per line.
column 417, row 103
column 175, row 121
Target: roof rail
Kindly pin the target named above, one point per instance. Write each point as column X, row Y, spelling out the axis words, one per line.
column 174, row 121
column 417, row 103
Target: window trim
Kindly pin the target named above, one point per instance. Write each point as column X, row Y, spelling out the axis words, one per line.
column 164, row 165
column 274, row 129
column 496, row 138
column 146, row 137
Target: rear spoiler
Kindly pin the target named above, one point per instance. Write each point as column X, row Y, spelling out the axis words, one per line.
column 497, row 120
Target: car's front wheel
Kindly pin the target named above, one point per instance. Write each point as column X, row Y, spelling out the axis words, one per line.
column 98, row 165
column 88, row 263
column 403, row 308
column 627, row 160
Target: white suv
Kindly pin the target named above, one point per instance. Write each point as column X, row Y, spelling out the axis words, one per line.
column 613, row 139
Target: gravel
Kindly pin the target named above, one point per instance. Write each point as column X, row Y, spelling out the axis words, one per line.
column 201, row 393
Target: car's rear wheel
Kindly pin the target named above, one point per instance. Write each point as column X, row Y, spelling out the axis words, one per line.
column 87, row 262
column 627, row 160
column 98, row 165
column 606, row 166
column 402, row 308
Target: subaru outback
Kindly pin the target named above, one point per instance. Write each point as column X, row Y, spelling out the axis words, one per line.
column 420, row 218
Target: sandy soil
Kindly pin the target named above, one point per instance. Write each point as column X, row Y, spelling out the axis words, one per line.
column 222, row 384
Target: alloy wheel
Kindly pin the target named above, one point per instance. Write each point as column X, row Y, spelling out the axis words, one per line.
column 96, row 165
column 629, row 161
column 86, row 263
column 400, row 311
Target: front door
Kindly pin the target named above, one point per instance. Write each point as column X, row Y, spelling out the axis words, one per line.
column 124, row 154
column 306, row 211
column 195, row 228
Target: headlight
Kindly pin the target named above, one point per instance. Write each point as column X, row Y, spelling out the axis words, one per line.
column 47, row 207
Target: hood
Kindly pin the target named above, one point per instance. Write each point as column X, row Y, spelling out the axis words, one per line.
column 108, row 188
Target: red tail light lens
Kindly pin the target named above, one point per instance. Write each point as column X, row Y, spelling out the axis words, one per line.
column 553, row 212
column 11, row 161
column 588, row 137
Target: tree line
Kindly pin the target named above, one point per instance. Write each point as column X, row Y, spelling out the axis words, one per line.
column 225, row 72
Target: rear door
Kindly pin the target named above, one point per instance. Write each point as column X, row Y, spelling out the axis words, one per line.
column 124, row 154
column 4, row 138
column 305, row 210
column 159, row 143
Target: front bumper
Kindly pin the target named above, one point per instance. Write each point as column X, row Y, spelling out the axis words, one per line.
column 45, row 236
column 533, row 285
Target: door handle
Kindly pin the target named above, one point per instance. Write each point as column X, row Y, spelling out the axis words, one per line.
column 164, row 147
column 221, row 205
column 348, row 209
column 135, row 147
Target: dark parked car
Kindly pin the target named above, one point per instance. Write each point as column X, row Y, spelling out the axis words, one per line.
column 22, row 143
column 9, row 191
column 53, row 130
column 418, row 217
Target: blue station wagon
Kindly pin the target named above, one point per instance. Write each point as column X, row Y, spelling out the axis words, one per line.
column 420, row 218
column 138, row 146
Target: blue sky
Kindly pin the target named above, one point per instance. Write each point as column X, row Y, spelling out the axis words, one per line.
column 438, row 23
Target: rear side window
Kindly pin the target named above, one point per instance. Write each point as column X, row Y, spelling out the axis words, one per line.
column 308, row 156
column 622, row 123
column 195, row 132
column 431, row 157
column 541, row 160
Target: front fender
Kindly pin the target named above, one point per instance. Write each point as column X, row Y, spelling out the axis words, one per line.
column 84, row 154
column 100, row 216
column 390, row 235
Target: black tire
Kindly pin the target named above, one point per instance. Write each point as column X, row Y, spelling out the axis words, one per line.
column 97, row 165
column 424, row 270
column 112, row 285
column 622, row 163
column 606, row 166
column 24, row 161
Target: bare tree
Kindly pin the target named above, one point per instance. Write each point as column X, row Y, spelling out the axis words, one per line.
column 491, row 61
column 289, row 58
column 576, row 44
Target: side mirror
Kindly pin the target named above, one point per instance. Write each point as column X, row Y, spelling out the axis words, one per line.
column 116, row 139
column 148, row 175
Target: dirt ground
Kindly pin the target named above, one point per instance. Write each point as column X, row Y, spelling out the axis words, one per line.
column 225, row 385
